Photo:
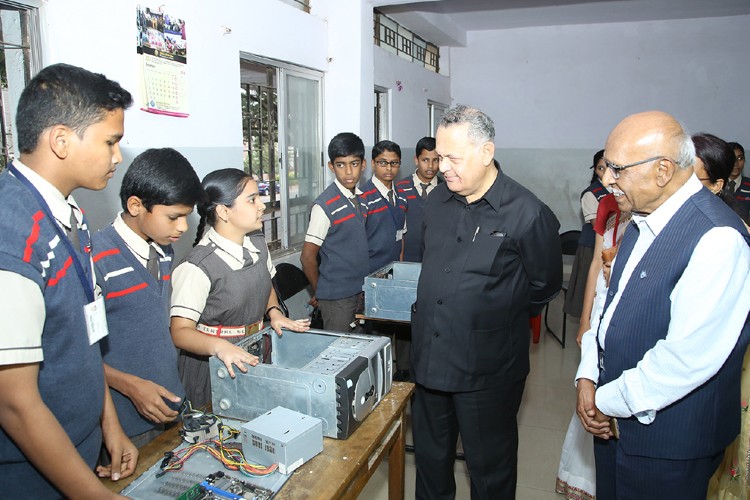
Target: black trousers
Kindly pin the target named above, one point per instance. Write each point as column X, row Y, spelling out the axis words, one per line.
column 620, row 476
column 486, row 420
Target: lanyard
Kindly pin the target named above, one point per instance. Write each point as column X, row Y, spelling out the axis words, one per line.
column 87, row 285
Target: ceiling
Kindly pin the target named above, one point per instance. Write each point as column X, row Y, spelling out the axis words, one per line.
column 446, row 22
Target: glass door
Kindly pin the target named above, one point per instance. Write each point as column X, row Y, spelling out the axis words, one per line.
column 301, row 159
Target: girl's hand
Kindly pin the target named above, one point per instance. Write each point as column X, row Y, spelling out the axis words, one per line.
column 230, row 354
column 280, row 321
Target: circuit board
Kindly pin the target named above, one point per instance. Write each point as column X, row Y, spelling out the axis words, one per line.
column 198, row 469
column 221, row 486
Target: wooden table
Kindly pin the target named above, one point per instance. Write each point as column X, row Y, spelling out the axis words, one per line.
column 342, row 469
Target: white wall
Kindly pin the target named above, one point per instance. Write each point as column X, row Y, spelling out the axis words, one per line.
column 408, row 112
column 265, row 27
column 100, row 35
column 556, row 92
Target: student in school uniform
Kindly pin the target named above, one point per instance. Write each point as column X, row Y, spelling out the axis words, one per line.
column 56, row 407
column 133, row 263
column 337, row 236
column 222, row 291
column 385, row 207
column 415, row 189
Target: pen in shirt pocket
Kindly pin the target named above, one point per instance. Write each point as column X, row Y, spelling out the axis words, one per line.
column 496, row 234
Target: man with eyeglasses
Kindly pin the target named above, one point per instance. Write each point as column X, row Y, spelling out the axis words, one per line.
column 384, row 207
column 659, row 379
column 739, row 185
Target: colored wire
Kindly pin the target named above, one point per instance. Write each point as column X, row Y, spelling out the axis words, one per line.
column 230, row 455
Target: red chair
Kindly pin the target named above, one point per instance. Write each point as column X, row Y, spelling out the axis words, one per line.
column 535, row 322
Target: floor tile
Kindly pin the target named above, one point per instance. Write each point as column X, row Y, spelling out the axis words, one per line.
column 546, row 410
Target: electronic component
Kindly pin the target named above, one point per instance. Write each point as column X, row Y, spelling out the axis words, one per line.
column 336, row 377
column 220, row 486
column 284, row 437
column 198, row 427
column 391, row 290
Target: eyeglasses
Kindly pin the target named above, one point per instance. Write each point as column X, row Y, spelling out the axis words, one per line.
column 616, row 169
column 385, row 163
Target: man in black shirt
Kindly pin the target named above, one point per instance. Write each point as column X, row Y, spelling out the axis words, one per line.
column 491, row 260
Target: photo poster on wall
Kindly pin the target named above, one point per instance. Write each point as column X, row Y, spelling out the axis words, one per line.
column 162, row 47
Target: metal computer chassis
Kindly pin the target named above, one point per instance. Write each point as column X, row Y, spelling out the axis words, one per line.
column 336, row 377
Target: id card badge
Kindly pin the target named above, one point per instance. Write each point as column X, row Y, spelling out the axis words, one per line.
column 96, row 320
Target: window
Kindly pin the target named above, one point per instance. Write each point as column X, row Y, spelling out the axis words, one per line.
column 435, row 112
column 285, row 155
column 303, row 5
column 391, row 36
column 382, row 131
column 19, row 61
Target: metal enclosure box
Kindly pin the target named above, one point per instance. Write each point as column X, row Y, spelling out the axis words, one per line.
column 282, row 436
column 336, row 377
column 391, row 290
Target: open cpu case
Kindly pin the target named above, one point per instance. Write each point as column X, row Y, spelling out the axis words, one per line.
column 336, row 377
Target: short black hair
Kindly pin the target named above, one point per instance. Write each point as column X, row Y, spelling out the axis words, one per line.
column 346, row 144
column 62, row 94
column 381, row 146
column 427, row 143
column 161, row 177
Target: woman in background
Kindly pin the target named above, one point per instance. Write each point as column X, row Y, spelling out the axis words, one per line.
column 715, row 161
column 576, row 475
column 584, row 253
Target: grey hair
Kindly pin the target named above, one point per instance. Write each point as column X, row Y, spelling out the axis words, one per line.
column 481, row 128
column 685, row 157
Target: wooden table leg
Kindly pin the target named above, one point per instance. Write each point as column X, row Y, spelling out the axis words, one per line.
column 396, row 477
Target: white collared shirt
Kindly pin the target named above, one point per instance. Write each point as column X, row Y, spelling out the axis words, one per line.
column 191, row 286
column 383, row 190
column 710, row 303
column 418, row 184
column 22, row 312
column 137, row 245
column 317, row 230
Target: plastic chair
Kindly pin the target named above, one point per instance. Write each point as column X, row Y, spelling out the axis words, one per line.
column 569, row 246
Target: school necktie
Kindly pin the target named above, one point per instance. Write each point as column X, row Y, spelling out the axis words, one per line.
column 355, row 202
column 73, row 232
column 390, row 196
column 732, row 184
column 247, row 257
column 424, row 190
column 152, row 264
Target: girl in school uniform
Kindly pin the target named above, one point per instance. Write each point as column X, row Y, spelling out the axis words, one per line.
column 222, row 290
